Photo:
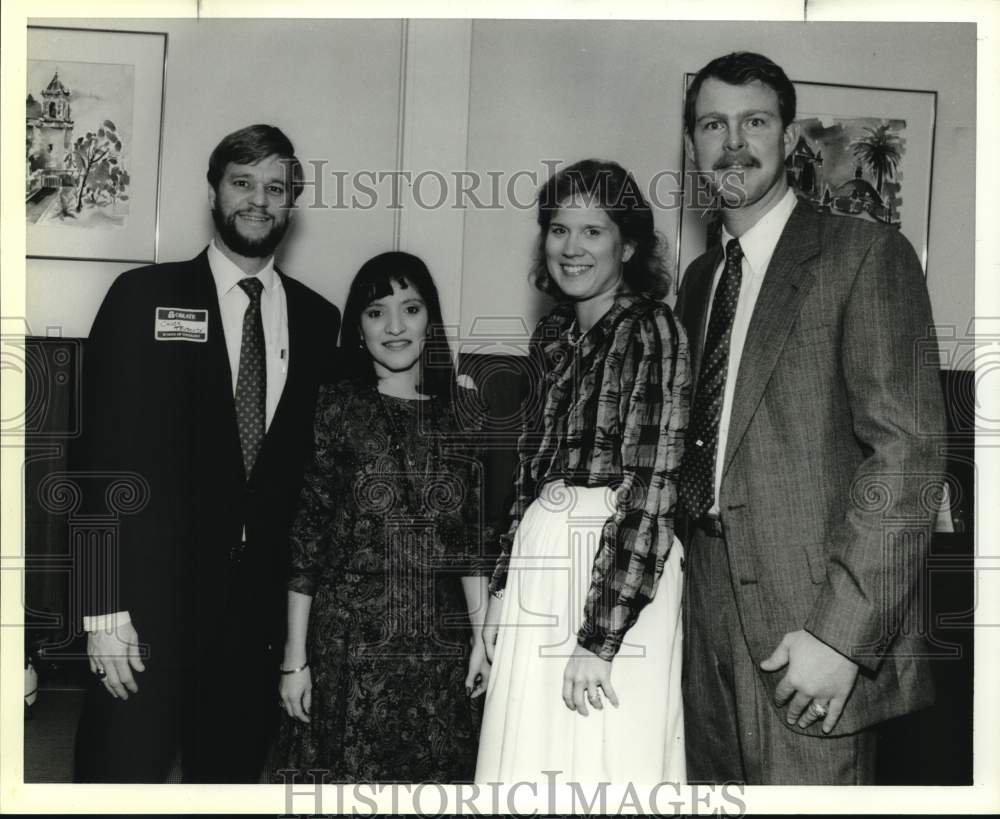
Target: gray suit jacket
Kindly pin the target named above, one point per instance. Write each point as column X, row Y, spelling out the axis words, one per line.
column 832, row 468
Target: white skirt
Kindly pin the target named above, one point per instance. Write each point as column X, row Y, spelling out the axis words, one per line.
column 527, row 729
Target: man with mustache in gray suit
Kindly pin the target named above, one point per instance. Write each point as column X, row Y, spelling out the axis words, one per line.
column 811, row 459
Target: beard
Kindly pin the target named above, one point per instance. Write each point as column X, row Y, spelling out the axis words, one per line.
column 242, row 245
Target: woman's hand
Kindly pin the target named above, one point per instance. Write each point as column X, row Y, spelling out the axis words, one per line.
column 585, row 677
column 295, row 691
column 479, row 670
column 491, row 626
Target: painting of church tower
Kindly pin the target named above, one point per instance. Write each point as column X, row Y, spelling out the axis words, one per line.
column 93, row 106
column 76, row 155
column 49, row 127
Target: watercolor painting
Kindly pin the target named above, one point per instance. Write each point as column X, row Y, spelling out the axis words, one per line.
column 93, row 114
column 851, row 167
column 79, row 135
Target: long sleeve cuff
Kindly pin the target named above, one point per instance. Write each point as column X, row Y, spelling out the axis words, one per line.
column 856, row 641
column 604, row 644
column 105, row 622
column 498, row 582
column 303, row 584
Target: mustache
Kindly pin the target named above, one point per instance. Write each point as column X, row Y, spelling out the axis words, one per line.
column 251, row 212
column 236, row 241
column 729, row 160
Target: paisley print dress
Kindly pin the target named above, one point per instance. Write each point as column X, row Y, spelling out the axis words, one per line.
column 388, row 524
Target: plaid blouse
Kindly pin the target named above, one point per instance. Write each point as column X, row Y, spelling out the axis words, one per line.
column 613, row 412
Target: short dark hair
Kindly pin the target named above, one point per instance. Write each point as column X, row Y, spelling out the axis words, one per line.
column 375, row 281
column 616, row 192
column 250, row 145
column 741, row 68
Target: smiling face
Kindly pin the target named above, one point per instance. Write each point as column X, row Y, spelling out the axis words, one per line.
column 584, row 254
column 394, row 329
column 738, row 133
column 251, row 207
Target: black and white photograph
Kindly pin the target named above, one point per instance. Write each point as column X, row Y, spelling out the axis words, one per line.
column 567, row 414
column 93, row 143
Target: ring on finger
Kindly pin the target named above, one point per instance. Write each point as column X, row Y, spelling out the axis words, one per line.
column 101, row 673
column 817, row 710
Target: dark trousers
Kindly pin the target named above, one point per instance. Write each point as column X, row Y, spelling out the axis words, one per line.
column 221, row 738
column 219, row 709
column 734, row 732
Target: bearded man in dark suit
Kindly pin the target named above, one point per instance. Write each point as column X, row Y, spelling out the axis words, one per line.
column 199, row 386
column 811, row 459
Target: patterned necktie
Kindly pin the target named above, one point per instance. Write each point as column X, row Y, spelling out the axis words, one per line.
column 251, row 380
column 697, row 478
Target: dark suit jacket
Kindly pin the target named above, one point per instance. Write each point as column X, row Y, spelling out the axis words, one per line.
column 162, row 413
column 831, row 467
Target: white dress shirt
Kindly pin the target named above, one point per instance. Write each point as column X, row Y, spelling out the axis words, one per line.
column 758, row 245
column 233, row 302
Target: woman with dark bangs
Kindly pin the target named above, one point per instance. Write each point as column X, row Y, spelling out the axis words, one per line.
column 587, row 592
column 384, row 659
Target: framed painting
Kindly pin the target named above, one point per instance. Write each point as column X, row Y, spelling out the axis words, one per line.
column 94, row 109
column 863, row 153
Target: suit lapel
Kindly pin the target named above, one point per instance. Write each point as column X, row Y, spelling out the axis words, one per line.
column 786, row 284
column 217, row 375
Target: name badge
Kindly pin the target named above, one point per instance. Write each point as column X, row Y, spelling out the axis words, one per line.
column 180, row 324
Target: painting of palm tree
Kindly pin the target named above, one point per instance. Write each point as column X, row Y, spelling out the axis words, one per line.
column 879, row 150
column 850, row 166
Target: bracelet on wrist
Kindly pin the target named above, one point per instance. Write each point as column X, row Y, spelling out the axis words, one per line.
column 302, row 667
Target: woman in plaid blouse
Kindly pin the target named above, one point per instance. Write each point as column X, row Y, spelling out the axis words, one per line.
column 587, row 590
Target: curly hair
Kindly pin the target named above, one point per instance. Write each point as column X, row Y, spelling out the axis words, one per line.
column 616, row 192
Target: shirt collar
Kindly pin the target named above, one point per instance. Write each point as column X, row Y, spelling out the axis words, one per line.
column 759, row 242
column 227, row 275
column 606, row 322
column 556, row 338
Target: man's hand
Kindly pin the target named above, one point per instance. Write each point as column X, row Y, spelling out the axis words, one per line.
column 816, row 673
column 585, row 677
column 116, row 652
